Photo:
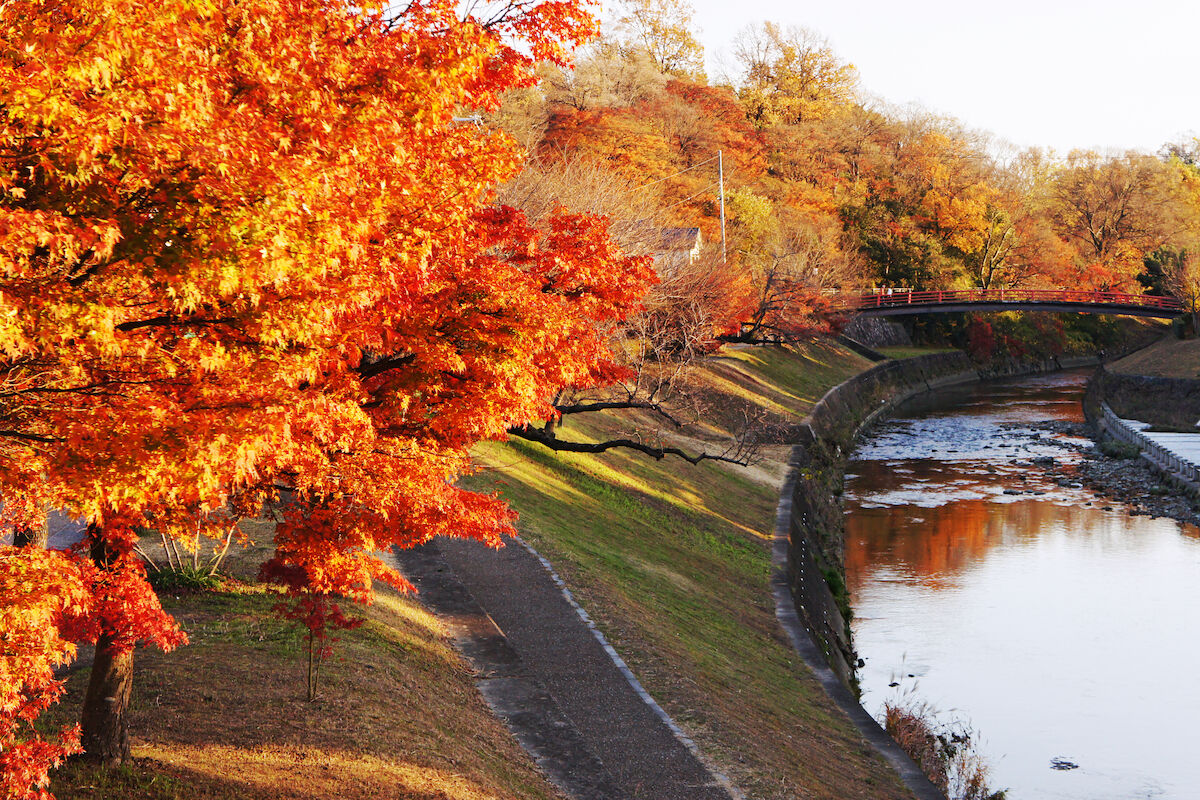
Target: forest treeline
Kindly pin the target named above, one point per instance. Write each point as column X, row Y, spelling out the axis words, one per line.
column 825, row 188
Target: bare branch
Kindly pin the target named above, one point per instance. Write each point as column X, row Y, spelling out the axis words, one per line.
column 739, row 456
column 612, row 405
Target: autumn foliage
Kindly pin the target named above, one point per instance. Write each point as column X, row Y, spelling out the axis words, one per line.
column 894, row 198
column 40, row 589
column 252, row 257
column 244, row 250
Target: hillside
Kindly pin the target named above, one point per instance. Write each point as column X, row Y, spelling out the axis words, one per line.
column 1167, row 358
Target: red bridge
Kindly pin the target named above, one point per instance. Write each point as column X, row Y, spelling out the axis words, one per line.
column 896, row 302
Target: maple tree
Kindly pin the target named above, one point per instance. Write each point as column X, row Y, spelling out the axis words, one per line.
column 317, row 612
column 38, row 588
column 245, row 248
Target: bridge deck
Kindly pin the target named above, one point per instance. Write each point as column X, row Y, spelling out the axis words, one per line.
column 892, row 302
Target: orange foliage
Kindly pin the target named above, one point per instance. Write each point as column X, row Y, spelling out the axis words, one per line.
column 242, row 247
column 38, row 588
column 727, row 128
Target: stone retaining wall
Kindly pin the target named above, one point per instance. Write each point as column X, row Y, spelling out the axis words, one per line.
column 1157, row 398
column 1165, row 402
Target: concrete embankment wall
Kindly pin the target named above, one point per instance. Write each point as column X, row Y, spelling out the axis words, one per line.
column 1113, row 397
column 816, row 545
column 1166, row 402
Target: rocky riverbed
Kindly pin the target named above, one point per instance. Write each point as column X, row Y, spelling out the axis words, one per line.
column 1129, row 481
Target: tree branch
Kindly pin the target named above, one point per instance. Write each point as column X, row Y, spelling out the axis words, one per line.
column 168, row 321
column 30, row 437
column 552, row 442
column 584, row 408
column 369, row 369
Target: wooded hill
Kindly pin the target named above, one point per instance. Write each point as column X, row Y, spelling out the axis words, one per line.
column 824, row 188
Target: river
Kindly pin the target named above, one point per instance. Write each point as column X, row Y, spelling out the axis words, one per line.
column 1064, row 630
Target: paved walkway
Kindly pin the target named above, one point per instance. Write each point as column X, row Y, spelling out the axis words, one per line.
column 1175, row 454
column 550, row 678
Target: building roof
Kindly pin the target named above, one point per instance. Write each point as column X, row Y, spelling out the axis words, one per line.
column 678, row 238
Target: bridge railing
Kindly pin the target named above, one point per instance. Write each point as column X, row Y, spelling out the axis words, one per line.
column 889, row 298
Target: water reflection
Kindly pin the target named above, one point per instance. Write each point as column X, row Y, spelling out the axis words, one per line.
column 1059, row 624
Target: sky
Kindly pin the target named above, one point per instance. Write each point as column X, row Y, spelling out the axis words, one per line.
column 1096, row 75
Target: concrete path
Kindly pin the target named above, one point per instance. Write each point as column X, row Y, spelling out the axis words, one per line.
column 1176, row 455
column 548, row 676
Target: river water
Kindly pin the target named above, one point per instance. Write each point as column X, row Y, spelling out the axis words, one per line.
column 1064, row 630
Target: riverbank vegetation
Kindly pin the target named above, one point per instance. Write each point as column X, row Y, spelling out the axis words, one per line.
column 946, row 751
column 1037, row 336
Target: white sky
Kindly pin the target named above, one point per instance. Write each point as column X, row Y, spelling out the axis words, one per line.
column 1085, row 74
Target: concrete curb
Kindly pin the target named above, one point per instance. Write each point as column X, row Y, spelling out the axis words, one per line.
column 803, row 643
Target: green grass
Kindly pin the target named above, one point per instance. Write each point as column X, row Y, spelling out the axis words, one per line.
column 900, row 352
column 794, row 379
column 673, row 561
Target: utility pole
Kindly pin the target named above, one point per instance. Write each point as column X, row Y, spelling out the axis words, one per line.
column 721, row 184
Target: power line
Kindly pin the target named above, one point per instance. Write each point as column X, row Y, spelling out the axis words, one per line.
column 719, row 186
column 660, row 180
column 713, row 185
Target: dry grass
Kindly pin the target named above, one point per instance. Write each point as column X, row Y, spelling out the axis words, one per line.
column 1168, row 358
column 902, row 351
column 397, row 716
column 945, row 751
column 673, row 562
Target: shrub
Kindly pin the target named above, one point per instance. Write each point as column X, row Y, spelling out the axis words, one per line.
column 945, row 752
column 184, row 577
column 1114, row 449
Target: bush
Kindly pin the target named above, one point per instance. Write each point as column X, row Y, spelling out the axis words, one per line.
column 945, row 752
column 1114, row 449
column 184, row 578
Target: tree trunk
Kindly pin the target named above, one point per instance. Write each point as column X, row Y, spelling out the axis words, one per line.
column 105, row 733
column 32, row 537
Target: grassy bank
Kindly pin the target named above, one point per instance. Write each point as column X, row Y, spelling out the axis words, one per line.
column 224, row 717
column 912, row 351
column 673, row 561
column 1167, row 358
